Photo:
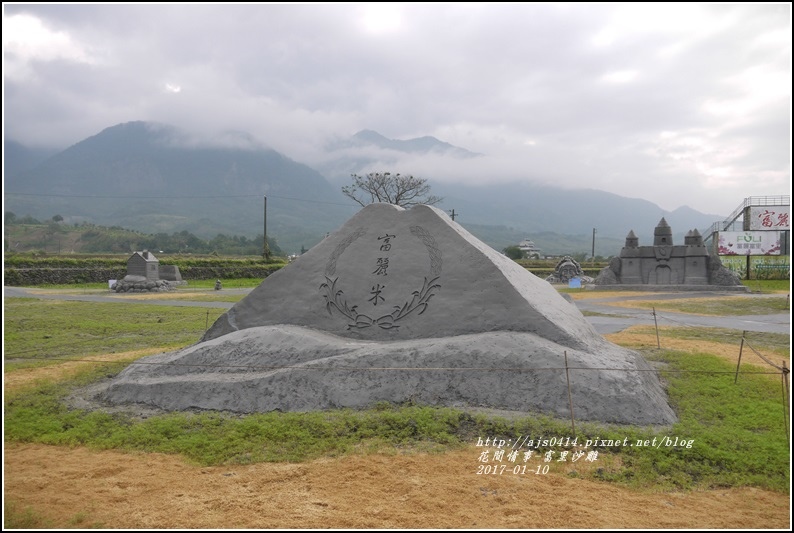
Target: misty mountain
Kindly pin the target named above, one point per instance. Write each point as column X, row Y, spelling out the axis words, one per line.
column 18, row 158
column 155, row 178
column 558, row 220
column 419, row 145
column 575, row 212
column 368, row 148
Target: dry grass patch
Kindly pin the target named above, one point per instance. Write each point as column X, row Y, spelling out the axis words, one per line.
column 592, row 295
column 717, row 306
column 19, row 379
column 69, row 487
column 641, row 336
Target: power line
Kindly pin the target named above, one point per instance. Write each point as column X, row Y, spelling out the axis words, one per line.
column 161, row 197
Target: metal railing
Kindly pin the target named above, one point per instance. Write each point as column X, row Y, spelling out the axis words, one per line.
column 759, row 201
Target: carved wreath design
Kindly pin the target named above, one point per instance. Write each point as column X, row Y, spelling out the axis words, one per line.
column 419, row 300
column 334, row 298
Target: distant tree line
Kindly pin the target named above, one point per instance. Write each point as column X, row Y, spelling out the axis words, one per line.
column 181, row 242
column 99, row 239
column 516, row 253
column 11, row 219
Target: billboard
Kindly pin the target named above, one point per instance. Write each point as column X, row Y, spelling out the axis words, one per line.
column 760, row 266
column 773, row 217
column 749, row 243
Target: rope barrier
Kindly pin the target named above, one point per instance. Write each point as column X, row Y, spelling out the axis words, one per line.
column 724, row 335
column 407, row 368
column 764, row 358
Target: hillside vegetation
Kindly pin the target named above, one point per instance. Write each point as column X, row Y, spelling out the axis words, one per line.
column 64, row 239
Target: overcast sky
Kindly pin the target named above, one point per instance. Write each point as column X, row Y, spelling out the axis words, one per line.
column 686, row 104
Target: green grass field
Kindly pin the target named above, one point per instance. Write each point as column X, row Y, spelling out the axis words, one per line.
column 42, row 332
column 191, row 285
column 766, row 286
column 736, row 432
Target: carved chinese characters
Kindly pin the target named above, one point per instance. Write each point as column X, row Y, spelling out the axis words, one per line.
column 394, row 290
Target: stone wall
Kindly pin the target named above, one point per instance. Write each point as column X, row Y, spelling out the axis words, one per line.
column 141, row 284
column 66, row 276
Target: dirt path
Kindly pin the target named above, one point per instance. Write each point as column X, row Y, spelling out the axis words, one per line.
column 83, row 488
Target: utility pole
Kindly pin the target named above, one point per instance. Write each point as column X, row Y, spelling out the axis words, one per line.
column 453, row 215
column 265, row 247
column 593, row 250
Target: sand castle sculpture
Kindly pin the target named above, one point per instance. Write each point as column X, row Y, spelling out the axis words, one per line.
column 401, row 305
column 664, row 264
column 567, row 269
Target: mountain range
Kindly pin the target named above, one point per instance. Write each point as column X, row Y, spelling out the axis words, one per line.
column 156, row 178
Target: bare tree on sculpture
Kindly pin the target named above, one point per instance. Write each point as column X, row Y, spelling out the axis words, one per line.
column 405, row 191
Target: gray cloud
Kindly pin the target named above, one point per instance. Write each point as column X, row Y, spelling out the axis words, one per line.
column 645, row 100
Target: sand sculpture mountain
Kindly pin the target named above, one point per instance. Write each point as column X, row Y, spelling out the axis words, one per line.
column 401, row 305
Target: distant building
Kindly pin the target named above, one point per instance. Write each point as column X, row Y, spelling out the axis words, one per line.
column 755, row 240
column 144, row 264
column 756, row 213
column 529, row 249
column 143, row 275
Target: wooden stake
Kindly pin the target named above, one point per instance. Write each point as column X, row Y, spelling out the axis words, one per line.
column 784, row 377
column 741, row 347
column 656, row 325
column 570, row 399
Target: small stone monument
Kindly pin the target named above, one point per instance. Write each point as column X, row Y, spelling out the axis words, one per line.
column 143, row 275
column 144, row 264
